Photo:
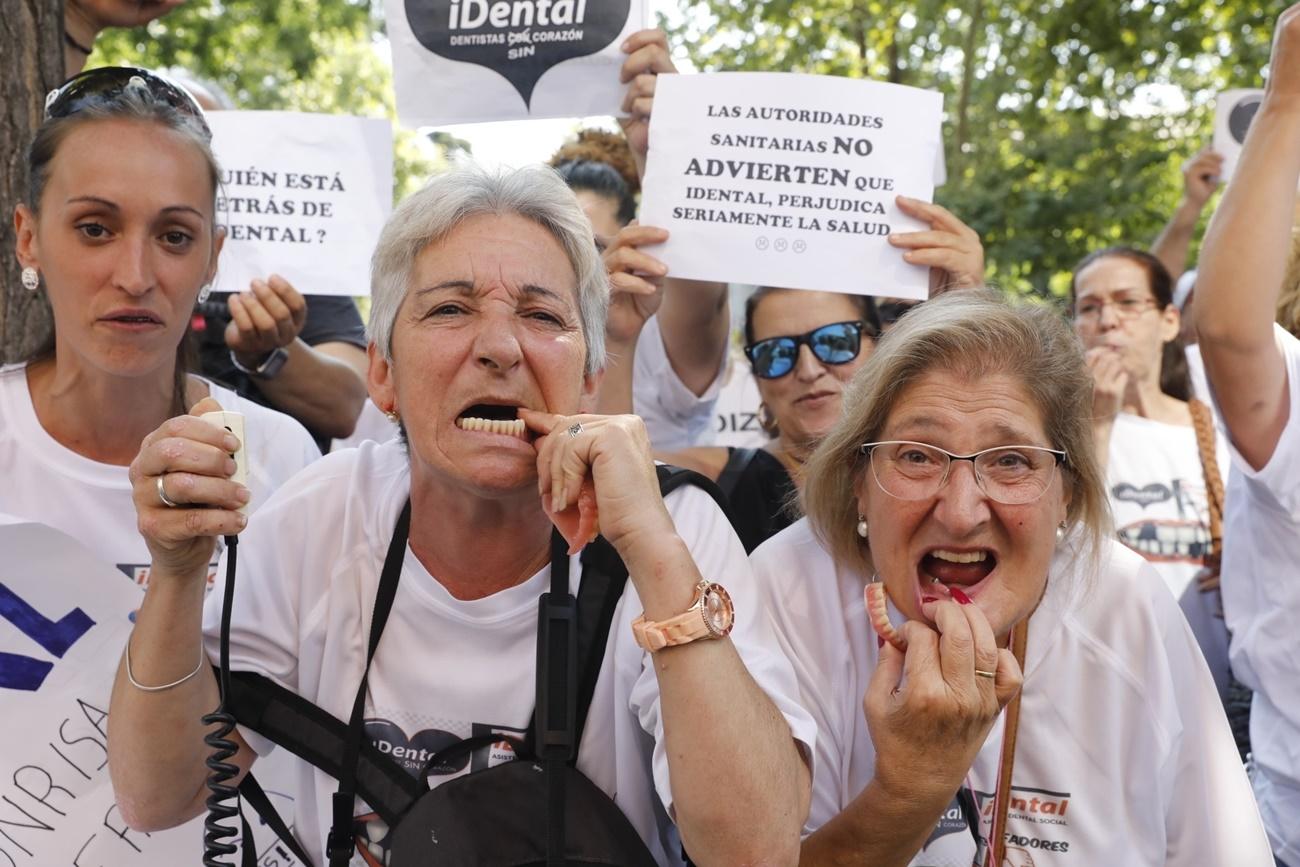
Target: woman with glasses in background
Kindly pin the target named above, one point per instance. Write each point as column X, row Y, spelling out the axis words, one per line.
column 803, row 348
column 1162, row 459
column 956, row 554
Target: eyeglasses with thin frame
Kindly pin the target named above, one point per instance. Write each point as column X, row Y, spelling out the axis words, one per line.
column 106, row 82
column 837, row 343
column 1127, row 307
column 1011, row 475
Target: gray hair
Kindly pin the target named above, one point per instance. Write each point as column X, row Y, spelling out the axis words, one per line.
column 536, row 193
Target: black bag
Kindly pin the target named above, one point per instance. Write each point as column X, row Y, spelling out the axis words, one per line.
column 537, row 810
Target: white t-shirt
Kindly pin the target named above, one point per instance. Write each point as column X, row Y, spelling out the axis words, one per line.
column 675, row 417
column 446, row 669
column 1161, row 508
column 47, row 482
column 1123, row 758
column 1261, row 596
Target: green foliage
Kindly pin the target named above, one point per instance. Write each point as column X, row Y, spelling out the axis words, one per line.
column 318, row 57
column 1055, row 136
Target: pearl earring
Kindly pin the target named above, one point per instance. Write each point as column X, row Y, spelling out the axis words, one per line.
column 393, row 416
column 1060, row 532
column 862, row 526
column 31, row 280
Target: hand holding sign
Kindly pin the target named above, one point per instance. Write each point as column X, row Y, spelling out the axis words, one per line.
column 1201, row 176
column 636, row 281
column 270, row 315
column 951, row 249
column 647, row 58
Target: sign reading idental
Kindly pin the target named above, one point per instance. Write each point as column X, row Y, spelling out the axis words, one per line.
column 780, row 179
column 462, row 61
column 303, row 196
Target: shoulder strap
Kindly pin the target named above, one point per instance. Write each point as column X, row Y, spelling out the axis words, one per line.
column 737, row 462
column 671, row 478
column 1203, row 424
column 339, row 844
column 251, row 791
column 1002, row 794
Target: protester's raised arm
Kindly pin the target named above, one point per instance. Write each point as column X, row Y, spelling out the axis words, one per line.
column 1200, row 180
column 1244, row 259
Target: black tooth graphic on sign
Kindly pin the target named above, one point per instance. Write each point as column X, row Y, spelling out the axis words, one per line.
column 1240, row 117
column 531, row 35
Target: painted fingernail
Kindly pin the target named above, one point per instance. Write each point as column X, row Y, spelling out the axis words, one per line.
column 925, row 599
column 959, row 597
column 880, row 643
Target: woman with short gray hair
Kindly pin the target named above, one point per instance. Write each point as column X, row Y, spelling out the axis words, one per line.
column 955, row 561
column 486, row 344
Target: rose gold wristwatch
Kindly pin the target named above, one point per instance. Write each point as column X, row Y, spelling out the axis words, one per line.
column 710, row 616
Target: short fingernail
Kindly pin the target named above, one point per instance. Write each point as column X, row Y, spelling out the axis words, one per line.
column 960, row 597
column 243, row 495
column 231, row 466
column 230, row 442
column 557, row 500
column 242, row 520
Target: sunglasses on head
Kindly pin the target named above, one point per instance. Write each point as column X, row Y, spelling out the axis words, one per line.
column 98, row 85
column 837, row 343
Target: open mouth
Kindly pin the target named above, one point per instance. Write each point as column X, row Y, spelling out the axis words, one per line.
column 501, row 419
column 951, row 573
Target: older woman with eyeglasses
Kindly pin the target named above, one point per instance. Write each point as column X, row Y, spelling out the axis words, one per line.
column 1164, row 464
column 803, row 348
column 955, row 560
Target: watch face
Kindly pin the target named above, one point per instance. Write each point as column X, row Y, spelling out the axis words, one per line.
column 718, row 613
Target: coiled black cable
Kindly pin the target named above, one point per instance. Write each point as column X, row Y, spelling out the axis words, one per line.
column 223, row 801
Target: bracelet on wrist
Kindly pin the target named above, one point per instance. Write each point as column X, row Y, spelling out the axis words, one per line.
column 130, row 676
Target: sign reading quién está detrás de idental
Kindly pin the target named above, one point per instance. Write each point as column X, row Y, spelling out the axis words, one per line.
column 466, row 61
column 783, row 179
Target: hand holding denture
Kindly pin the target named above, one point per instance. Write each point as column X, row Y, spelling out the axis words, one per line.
column 928, row 708
column 596, row 475
column 183, row 491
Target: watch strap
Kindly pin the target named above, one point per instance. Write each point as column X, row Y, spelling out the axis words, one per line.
column 268, row 368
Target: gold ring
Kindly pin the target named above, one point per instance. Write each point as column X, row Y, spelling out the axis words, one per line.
column 989, row 674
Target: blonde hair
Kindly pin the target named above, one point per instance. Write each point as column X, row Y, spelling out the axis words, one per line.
column 975, row 333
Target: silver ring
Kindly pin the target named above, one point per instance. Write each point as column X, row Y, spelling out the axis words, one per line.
column 162, row 495
column 575, row 429
column 989, row 674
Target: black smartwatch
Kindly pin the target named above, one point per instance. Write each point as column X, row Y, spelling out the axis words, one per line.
column 268, row 368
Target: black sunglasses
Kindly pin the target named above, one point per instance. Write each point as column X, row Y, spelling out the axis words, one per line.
column 837, row 343
column 97, row 85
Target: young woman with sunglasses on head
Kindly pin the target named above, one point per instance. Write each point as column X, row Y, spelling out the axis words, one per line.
column 803, row 348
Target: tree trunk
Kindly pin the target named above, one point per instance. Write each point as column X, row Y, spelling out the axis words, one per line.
column 967, row 82
column 31, row 41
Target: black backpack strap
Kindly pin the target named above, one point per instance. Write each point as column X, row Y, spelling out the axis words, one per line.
column 557, row 680
column 317, row 737
column 737, row 462
column 251, row 791
column 340, row 843
column 671, row 478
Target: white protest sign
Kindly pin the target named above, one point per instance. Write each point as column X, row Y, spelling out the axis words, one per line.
column 782, row 179
column 467, row 61
column 64, row 620
column 303, row 196
column 1233, row 112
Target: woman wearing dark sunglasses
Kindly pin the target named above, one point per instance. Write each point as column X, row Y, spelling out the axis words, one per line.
column 803, row 348
column 119, row 233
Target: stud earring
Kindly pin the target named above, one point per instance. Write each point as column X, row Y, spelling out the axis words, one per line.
column 205, row 292
column 31, row 280
column 1060, row 532
column 393, row 416
column 862, row 526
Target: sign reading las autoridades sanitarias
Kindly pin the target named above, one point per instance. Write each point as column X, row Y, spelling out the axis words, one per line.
column 466, row 61
column 781, row 179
